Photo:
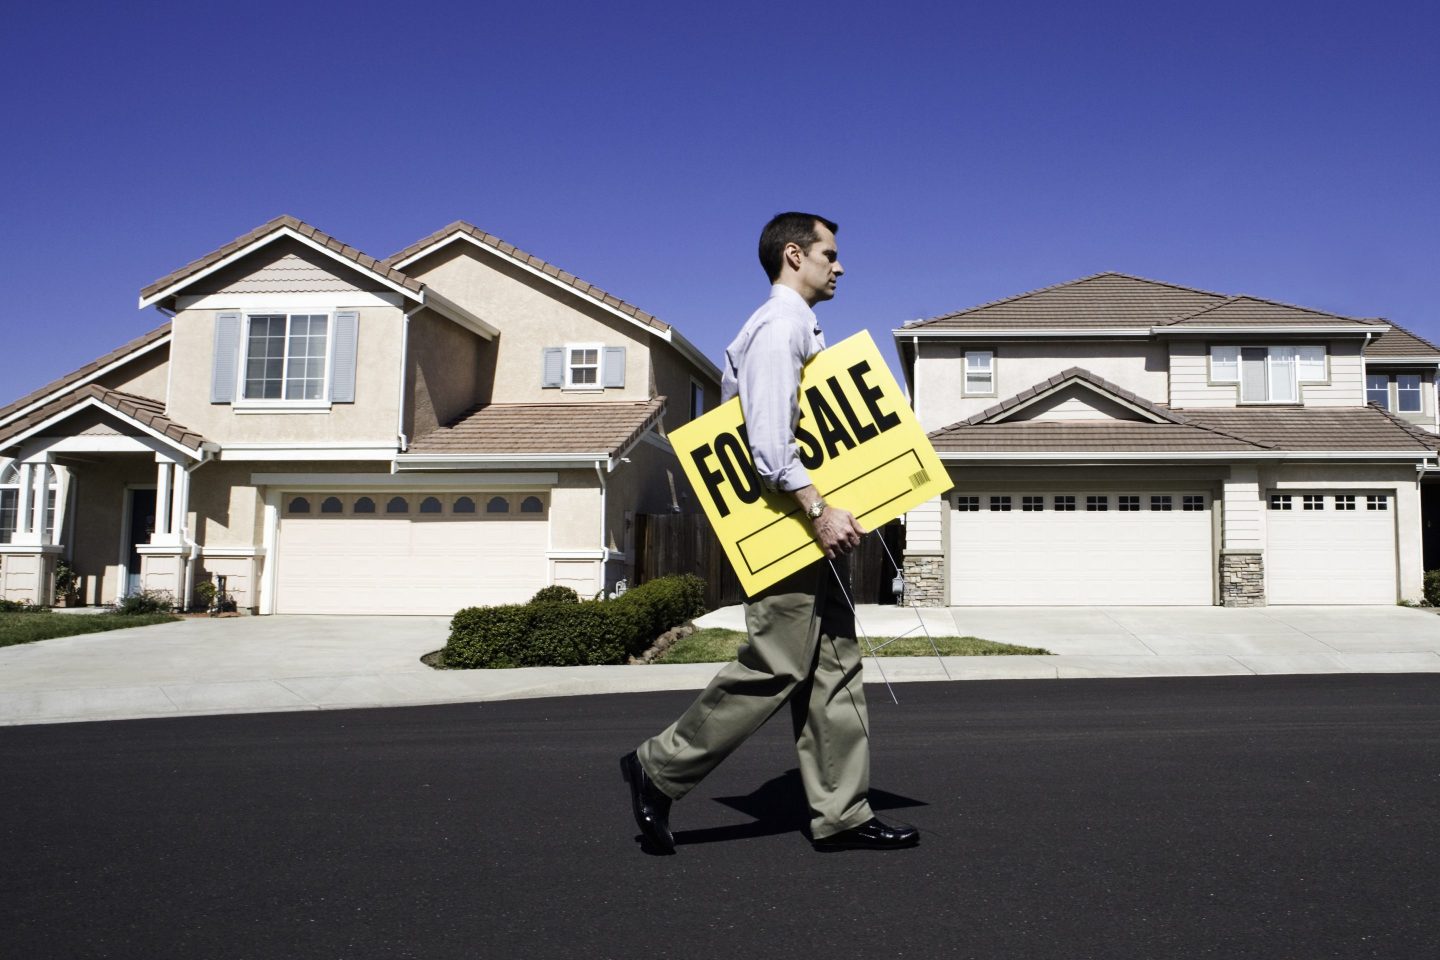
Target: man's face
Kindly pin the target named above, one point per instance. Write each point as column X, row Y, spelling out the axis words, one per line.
column 819, row 267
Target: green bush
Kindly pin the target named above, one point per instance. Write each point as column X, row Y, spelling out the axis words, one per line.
column 18, row 606
column 146, row 601
column 547, row 632
column 1432, row 588
column 555, row 594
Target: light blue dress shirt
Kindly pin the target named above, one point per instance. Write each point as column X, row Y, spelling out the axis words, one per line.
column 762, row 367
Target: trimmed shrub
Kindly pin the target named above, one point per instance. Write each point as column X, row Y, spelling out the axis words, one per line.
column 552, row 632
column 1432, row 588
column 146, row 601
column 18, row 606
column 555, row 594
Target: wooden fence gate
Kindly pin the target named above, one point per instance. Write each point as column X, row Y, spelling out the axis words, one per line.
column 676, row 543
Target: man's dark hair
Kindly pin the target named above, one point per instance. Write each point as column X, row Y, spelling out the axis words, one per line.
column 783, row 228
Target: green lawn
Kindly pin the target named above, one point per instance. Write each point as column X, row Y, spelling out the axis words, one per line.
column 714, row 645
column 28, row 627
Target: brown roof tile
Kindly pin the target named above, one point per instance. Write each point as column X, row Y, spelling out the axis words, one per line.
column 602, row 428
column 118, row 353
column 145, row 410
column 1399, row 342
column 1244, row 311
column 1083, row 437
column 1316, row 428
column 1100, row 301
column 300, row 227
column 460, row 227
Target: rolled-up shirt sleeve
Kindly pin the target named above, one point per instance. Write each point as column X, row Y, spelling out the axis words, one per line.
column 768, row 380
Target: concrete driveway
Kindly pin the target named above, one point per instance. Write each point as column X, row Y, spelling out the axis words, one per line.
column 262, row 664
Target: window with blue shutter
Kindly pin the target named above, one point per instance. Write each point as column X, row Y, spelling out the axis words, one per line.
column 225, row 359
column 342, row 369
column 614, row 366
column 553, row 371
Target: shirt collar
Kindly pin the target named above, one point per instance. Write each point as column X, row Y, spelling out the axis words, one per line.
column 782, row 292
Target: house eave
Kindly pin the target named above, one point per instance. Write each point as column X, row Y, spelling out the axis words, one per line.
column 283, row 231
column 996, row 333
column 88, row 378
column 1269, row 329
column 417, row 462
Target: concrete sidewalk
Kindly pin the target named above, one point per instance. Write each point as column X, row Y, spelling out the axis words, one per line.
column 263, row 664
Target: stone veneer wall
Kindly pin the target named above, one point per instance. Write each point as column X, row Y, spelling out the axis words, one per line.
column 1242, row 578
column 924, row 581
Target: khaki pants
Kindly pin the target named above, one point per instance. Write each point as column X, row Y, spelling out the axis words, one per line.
column 789, row 657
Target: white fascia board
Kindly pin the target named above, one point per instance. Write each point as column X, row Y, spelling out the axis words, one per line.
column 308, row 451
column 1268, row 329
column 1001, row 333
column 1407, row 361
column 88, row 378
column 264, row 241
column 460, row 481
column 576, row 291
column 407, row 462
column 331, row 300
column 198, row 453
column 1076, row 382
column 458, row 314
column 1089, row 457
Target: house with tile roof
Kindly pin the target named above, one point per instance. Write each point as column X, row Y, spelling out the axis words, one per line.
column 1118, row 440
column 461, row 423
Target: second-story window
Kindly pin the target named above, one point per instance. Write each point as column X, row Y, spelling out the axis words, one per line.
column 1377, row 390
column 697, row 399
column 285, row 356
column 582, row 365
column 979, row 372
column 1407, row 393
column 1268, row 374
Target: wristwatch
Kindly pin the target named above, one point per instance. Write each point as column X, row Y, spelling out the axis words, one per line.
column 815, row 509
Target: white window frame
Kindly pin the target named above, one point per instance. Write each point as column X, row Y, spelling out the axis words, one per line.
column 281, row 404
column 1384, row 385
column 988, row 371
column 52, row 498
column 599, row 366
column 1400, row 393
column 1309, row 363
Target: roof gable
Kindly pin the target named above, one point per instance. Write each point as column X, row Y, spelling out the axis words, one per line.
column 461, row 231
column 276, row 229
column 144, row 413
column 1068, row 381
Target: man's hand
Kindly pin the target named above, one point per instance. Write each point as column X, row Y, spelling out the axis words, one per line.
column 838, row 531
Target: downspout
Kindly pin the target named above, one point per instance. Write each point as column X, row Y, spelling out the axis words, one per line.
column 404, row 441
column 193, row 548
column 604, row 549
column 915, row 377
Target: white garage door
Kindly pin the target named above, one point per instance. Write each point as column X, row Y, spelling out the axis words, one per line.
column 1326, row 547
column 408, row 553
column 1081, row 547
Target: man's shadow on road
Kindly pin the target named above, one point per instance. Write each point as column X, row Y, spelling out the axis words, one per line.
column 778, row 806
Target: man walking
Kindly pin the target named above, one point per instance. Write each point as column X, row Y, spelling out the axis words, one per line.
column 802, row 633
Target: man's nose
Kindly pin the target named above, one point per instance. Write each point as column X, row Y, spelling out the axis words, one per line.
column 838, row 268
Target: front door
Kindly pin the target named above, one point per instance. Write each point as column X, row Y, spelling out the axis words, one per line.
column 142, row 524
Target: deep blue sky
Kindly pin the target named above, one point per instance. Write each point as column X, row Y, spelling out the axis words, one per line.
column 970, row 151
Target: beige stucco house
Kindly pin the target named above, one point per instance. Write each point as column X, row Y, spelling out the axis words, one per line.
column 1116, row 440
column 460, row 423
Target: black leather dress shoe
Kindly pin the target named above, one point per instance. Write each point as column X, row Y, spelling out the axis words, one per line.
column 870, row 835
column 652, row 807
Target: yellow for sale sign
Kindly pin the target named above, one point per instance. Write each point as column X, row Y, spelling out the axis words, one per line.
column 858, row 439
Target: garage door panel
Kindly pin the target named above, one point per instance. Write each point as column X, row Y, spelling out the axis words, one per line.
column 1081, row 557
column 1331, row 556
column 407, row 565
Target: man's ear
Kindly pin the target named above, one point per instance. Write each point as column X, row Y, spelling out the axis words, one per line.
column 793, row 255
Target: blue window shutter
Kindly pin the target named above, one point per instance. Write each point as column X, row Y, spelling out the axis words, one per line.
column 554, row 372
column 342, row 364
column 226, row 358
column 614, row 366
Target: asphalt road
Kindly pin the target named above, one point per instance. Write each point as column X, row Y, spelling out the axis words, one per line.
column 1238, row 817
